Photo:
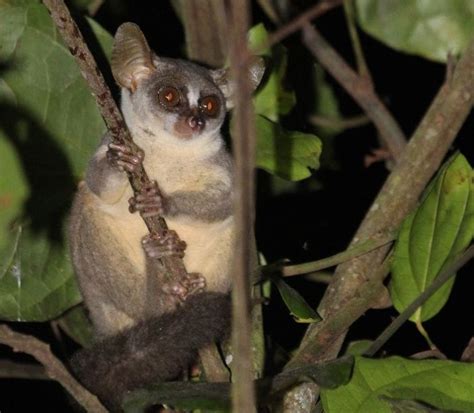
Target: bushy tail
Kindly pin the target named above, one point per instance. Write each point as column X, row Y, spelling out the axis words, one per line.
column 155, row 350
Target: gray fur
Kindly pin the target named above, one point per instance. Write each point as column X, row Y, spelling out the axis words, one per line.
column 122, row 288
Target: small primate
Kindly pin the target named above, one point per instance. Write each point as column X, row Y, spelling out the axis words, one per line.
column 148, row 329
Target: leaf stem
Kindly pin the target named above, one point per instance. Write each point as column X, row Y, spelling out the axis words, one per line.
column 426, row 336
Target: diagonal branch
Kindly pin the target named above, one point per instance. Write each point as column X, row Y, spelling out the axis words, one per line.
column 52, row 366
column 110, row 113
column 359, row 87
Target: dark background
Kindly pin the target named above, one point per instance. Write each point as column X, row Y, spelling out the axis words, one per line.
column 305, row 223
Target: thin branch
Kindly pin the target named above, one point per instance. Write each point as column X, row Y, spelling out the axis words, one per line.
column 52, row 365
column 353, row 252
column 437, row 283
column 11, row 370
column 296, row 24
column 336, row 123
column 359, row 87
column 110, row 113
column 362, row 67
column 243, row 392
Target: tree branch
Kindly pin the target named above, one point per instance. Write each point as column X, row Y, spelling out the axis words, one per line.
column 399, row 195
column 359, row 87
column 243, row 392
column 53, row 367
column 297, row 23
column 12, row 370
column 110, row 113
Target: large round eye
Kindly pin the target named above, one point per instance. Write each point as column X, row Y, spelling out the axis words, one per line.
column 209, row 106
column 169, row 96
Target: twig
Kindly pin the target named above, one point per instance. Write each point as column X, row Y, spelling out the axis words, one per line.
column 243, row 392
column 437, row 283
column 362, row 67
column 11, row 370
column 296, row 24
column 53, row 367
column 346, row 123
column 353, row 252
column 359, row 87
column 110, row 113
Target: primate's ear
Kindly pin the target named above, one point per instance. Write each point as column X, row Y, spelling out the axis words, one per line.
column 132, row 58
column 222, row 79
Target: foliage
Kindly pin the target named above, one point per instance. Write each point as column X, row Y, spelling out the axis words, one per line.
column 432, row 236
column 447, row 385
column 432, row 29
column 49, row 127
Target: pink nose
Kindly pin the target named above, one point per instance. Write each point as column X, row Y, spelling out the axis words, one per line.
column 195, row 123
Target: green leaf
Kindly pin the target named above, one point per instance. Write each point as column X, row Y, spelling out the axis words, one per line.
column 45, row 81
column 411, row 406
column 430, row 29
column 77, row 326
column 288, row 154
column 50, row 127
column 440, row 229
column 257, row 39
column 299, row 308
column 272, row 98
column 38, row 283
column 13, row 192
column 441, row 383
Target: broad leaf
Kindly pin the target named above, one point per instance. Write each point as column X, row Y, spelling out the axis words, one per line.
column 38, row 284
column 50, row 127
column 431, row 29
column 447, row 385
column 288, row 154
column 272, row 98
column 440, row 229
